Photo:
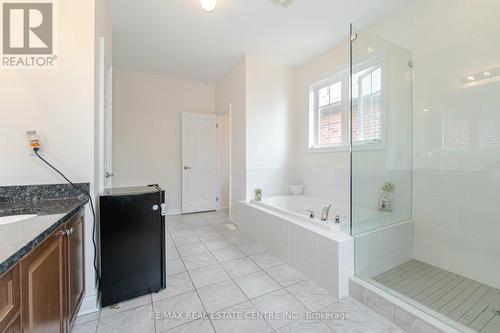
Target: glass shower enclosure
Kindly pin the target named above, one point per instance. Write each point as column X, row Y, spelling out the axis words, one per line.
column 425, row 157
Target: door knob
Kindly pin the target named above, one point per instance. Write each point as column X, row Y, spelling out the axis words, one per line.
column 187, row 167
column 109, row 174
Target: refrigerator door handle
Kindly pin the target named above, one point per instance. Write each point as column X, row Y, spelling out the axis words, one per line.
column 163, row 209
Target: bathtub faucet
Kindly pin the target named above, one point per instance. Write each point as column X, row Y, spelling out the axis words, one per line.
column 310, row 212
column 326, row 210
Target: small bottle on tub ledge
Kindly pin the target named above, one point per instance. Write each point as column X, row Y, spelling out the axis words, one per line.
column 258, row 194
column 384, row 201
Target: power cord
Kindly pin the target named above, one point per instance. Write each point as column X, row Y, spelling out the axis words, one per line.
column 91, row 206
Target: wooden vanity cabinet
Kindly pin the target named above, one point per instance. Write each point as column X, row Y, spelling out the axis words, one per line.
column 43, row 286
column 75, row 276
column 14, row 326
column 10, row 302
column 51, row 279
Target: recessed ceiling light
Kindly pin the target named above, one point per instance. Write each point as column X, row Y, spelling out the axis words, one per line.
column 470, row 78
column 208, row 5
column 370, row 50
column 487, row 73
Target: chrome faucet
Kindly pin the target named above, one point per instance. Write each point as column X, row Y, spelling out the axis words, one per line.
column 326, row 210
column 310, row 212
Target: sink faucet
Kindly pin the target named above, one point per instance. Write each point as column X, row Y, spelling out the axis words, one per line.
column 326, row 210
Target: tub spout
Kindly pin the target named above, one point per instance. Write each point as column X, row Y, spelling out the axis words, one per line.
column 326, row 210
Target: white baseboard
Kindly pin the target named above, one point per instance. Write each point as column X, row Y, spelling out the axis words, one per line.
column 172, row 211
column 89, row 304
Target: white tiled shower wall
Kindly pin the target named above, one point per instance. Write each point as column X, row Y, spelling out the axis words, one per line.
column 319, row 181
column 458, row 222
column 456, row 126
column 383, row 249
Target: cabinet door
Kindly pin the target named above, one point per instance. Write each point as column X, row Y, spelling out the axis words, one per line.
column 43, row 286
column 14, row 326
column 9, row 298
column 76, row 267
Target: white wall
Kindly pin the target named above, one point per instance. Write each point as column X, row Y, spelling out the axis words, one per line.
column 147, row 129
column 324, row 174
column 230, row 94
column 270, row 120
column 456, row 185
column 58, row 103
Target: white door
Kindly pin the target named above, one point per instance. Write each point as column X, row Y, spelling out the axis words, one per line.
column 199, row 162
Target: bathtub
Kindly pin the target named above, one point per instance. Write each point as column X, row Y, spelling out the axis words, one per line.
column 322, row 251
column 297, row 207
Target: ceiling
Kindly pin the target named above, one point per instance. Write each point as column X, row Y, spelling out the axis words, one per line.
column 177, row 38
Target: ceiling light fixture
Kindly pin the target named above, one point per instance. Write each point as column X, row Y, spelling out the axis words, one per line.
column 485, row 74
column 208, row 5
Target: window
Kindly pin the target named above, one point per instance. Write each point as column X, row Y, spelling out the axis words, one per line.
column 329, row 114
column 367, row 106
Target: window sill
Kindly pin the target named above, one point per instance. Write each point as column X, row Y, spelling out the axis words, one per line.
column 343, row 149
column 369, row 147
column 332, row 149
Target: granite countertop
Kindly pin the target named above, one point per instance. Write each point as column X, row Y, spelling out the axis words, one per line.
column 17, row 239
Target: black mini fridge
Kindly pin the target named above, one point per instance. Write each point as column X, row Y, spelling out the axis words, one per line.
column 132, row 243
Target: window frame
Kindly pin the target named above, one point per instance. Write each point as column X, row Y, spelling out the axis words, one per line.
column 342, row 74
column 313, row 117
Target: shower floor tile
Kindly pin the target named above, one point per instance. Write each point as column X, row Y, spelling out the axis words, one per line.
column 468, row 302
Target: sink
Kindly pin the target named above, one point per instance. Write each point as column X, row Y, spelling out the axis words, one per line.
column 14, row 218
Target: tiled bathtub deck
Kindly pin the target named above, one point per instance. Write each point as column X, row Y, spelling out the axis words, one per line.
column 215, row 270
column 466, row 301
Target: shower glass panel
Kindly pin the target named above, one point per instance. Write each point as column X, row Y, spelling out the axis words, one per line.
column 425, row 206
column 381, row 132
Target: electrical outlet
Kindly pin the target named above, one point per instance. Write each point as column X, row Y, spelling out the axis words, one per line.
column 34, row 142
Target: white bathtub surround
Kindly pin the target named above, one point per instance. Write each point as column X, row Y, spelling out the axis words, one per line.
column 302, row 206
column 324, row 254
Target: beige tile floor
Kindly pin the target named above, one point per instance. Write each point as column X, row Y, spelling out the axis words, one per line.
column 220, row 281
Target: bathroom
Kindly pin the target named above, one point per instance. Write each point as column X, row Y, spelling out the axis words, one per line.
column 334, row 162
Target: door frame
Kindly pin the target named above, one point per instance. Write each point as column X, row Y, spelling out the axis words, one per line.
column 105, row 118
column 226, row 111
